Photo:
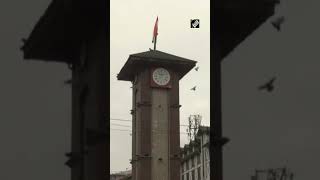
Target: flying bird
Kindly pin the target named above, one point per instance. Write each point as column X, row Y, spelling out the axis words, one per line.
column 197, row 68
column 69, row 81
column 24, row 40
column 278, row 22
column 194, row 88
column 268, row 86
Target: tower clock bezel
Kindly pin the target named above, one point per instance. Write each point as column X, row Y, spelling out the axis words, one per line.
column 155, row 84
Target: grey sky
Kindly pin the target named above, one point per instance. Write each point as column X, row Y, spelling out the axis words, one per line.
column 132, row 25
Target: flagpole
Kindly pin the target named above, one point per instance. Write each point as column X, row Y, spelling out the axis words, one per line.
column 155, row 42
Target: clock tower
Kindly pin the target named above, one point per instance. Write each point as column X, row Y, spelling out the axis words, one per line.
column 155, row 79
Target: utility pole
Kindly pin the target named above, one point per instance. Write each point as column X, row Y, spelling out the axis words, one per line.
column 193, row 126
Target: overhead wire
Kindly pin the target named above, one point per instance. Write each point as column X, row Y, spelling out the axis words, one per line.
column 129, row 130
column 126, row 120
column 154, row 131
column 119, row 125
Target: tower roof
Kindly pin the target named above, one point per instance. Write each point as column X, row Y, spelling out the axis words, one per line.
column 139, row 61
column 235, row 20
column 58, row 33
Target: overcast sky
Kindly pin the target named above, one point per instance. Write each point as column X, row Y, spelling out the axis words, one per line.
column 266, row 130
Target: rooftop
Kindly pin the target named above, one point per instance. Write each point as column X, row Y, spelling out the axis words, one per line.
column 58, row 33
column 195, row 143
column 138, row 61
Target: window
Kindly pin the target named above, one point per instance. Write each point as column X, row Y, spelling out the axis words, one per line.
column 187, row 174
column 198, row 159
column 207, row 156
column 192, row 162
column 192, row 175
column 187, row 165
column 199, row 173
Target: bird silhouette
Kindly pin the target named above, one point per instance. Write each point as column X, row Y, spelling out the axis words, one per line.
column 24, row 40
column 197, row 68
column 194, row 88
column 278, row 22
column 69, row 81
column 268, row 86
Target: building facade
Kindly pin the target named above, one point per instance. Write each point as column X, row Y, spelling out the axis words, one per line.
column 195, row 163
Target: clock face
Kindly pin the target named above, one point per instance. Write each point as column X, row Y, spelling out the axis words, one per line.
column 161, row 76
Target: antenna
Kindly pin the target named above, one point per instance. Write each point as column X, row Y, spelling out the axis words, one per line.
column 193, row 127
